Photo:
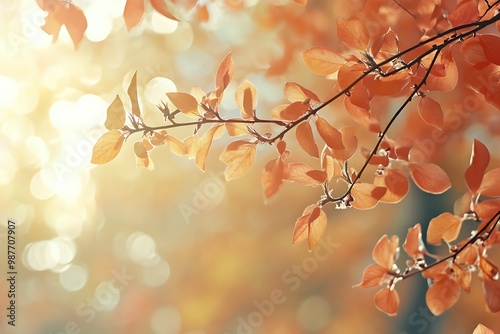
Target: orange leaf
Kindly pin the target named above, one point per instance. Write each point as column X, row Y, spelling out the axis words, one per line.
column 298, row 172
column 350, row 142
column 491, row 47
column 385, row 250
column 387, row 301
column 322, row 61
column 354, row 33
column 246, row 99
column 272, row 177
column 289, row 112
column 360, row 115
column 414, row 246
column 161, row 7
column 448, row 81
column 132, row 93
column 115, row 118
column 175, row 145
column 107, row 147
column 468, row 256
column 366, row 195
column 349, row 73
column 431, row 112
column 429, row 177
column 296, row 93
column 465, row 12
column 140, row 151
column 482, row 329
column 473, row 52
column 331, row 136
column 463, row 276
column 204, row 146
column 63, row 13
column 396, row 183
column 133, row 12
column 311, row 226
column 479, row 160
column 438, row 271
column 301, row 2
column 192, row 145
column 239, row 156
column 186, row 103
column 491, row 289
column 373, row 275
column 491, row 183
column 236, row 129
column 442, row 295
column 446, row 226
column 329, row 164
column 224, row 74
column 318, row 175
column 305, row 139
column 488, row 268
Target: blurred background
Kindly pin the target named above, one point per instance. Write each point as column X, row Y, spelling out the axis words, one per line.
column 121, row 249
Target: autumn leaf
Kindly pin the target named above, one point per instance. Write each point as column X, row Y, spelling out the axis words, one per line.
column 175, row 145
column 431, row 112
column 482, row 329
column 463, row 277
column 373, row 275
column 289, row 112
column 246, row 99
column 366, row 195
column 490, row 44
column 299, row 172
column 115, row 118
column 311, row 226
column 354, row 33
column 235, row 128
column 329, row 164
column 413, row 245
column 322, row 61
column 133, row 12
column 239, row 156
column 305, row 138
column 161, row 7
column 63, row 13
column 429, row 177
column 491, row 290
column 385, row 251
column 107, row 147
column 387, row 301
column 331, row 136
column 490, row 185
column 446, row 226
column 479, row 160
column 186, row 103
column 488, row 268
column 301, row 2
column 224, row 74
column 272, row 177
column 296, row 93
column 350, row 142
column 442, row 295
column 396, row 184
column 132, row 93
column 204, row 146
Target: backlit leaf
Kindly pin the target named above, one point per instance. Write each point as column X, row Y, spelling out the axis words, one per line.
column 414, row 246
column 482, row 329
column 239, row 156
column 132, row 93
column 385, row 250
column 246, row 99
column 289, row 112
column 491, row 47
column 488, row 268
column 235, row 129
column 322, row 61
column 296, row 93
column 204, row 146
column 298, row 172
column 311, row 226
column 431, row 112
column 354, row 33
column 350, row 142
column 491, row 290
column 161, row 7
column 331, row 136
column 186, row 103
column 442, row 295
column 429, row 177
column 463, row 277
column 175, row 145
column 479, row 160
column 133, row 12
column 366, row 195
column 373, row 275
column 396, row 183
column 272, row 177
column 305, row 138
column 115, row 118
column 446, row 226
column 107, row 147
column 387, row 301
column 490, row 185
column 224, row 74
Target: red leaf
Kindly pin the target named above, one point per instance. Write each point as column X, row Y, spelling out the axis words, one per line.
column 429, row 177
column 446, row 226
column 414, row 246
column 384, row 252
column 431, row 112
column 387, row 301
column 479, row 160
column 133, row 12
column 366, row 195
column 442, row 295
column 331, row 136
column 354, row 33
column 373, row 275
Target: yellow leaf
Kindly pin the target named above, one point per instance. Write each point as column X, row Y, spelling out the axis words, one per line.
column 204, row 146
column 132, row 93
column 239, row 156
column 186, row 103
column 107, row 147
column 246, row 99
column 175, row 145
column 236, row 129
column 115, row 115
